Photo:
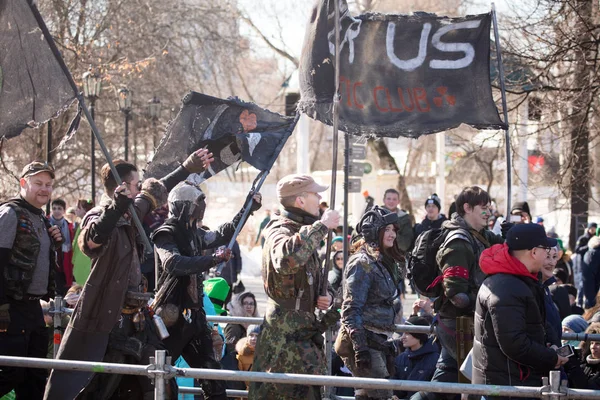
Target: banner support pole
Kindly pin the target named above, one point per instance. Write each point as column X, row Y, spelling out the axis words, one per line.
column 505, row 112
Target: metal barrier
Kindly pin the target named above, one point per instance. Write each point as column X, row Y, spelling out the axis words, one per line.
column 397, row 328
column 161, row 370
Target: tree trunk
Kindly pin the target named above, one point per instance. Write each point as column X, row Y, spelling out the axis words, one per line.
column 386, row 161
column 579, row 124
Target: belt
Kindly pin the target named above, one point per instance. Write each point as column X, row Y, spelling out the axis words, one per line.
column 290, row 305
column 32, row 297
column 129, row 311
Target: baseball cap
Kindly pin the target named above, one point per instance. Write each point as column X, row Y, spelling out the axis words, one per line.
column 35, row 168
column 293, row 185
column 592, row 225
column 528, row 236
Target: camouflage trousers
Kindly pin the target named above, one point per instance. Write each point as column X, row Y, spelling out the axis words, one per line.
column 287, row 345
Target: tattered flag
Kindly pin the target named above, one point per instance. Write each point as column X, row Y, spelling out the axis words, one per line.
column 232, row 130
column 33, row 86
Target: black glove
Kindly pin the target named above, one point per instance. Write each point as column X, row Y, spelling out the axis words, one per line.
column 255, row 206
column 122, row 202
column 104, row 225
column 505, row 227
column 4, row 317
column 363, row 359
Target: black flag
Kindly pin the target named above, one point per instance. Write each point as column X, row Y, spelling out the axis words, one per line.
column 33, row 86
column 400, row 75
column 232, row 130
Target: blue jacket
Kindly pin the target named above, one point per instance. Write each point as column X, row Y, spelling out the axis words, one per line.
column 416, row 365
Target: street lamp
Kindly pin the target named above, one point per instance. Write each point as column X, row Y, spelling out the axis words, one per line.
column 92, row 85
column 154, row 108
column 124, row 97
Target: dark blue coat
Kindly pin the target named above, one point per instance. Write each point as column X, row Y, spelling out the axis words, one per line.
column 416, row 365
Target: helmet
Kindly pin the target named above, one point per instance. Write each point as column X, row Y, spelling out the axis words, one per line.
column 374, row 220
column 185, row 196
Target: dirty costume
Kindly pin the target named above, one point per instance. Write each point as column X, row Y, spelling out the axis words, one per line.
column 111, row 322
column 291, row 339
column 178, row 248
column 371, row 301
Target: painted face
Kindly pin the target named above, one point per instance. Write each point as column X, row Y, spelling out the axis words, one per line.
column 391, row 201
column 432, row 211
column 58, row 212
column 409, row 341
column 595, row 349
column 478, row 216
column 310, row 203
column 37, row 189
column 549, row 264
column 389, row 236
column 249, row 306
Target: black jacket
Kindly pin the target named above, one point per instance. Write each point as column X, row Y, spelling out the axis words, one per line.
column 416, row 365
column 428, row 224
column 512, row 353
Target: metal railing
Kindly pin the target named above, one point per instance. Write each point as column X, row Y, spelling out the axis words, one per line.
column 397, row 328
column 160, row 370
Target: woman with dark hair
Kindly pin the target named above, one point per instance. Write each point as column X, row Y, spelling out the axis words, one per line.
column 243, row 305
column 371, row 300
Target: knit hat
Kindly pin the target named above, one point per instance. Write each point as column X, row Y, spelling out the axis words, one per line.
column 416, row 320
column 434, row 199
column 576, row 323
column 217, row 291
column 520, row 206
column 253, row 329
column 592, row 225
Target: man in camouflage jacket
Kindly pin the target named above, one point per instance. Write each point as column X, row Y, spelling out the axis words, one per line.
column 290, row 340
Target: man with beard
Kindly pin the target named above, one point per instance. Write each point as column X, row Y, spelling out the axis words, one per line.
column 27, row 261
column 111, row 321
column 179, row 244
column 291, row 340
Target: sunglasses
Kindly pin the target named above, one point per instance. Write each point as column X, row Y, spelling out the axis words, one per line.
column 248, row 304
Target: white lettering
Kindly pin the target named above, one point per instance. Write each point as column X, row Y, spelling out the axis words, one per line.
column 465, row 48
column 351, row 33
column 413, row 63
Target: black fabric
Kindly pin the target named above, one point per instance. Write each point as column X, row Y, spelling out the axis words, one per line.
column 511, row 353
column 33, row 87
column 27, row 336
column 231, row 129
column 400, row 75
column 298, row 215
column 106, row 223
column 428, row 224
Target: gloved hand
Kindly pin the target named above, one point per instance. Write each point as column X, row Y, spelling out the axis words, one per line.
column 122, row 199
column 198, row 161
column 223, row 254
column 505, row 227
column 4, row 317
column 363, row 359
column 256, row 201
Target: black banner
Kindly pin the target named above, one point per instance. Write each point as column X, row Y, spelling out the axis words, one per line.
column 33, row 86
column 400, row 75
column 232, row 130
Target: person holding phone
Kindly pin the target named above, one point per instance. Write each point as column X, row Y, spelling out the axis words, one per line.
column 520, row 213
column 516, row 353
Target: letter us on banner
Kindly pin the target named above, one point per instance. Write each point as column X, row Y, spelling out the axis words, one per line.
column 400, row 75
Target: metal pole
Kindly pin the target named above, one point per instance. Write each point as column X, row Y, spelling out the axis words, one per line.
column 57, row 322
column 93, row 151
column 127, row 136
column 336, row 113
column 159, row 376
column 505, row 111
column 554, row 385
column 49, row 155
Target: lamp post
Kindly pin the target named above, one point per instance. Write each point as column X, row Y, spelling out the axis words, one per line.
column 124, row 97
column 92, row 85
column 154, row 108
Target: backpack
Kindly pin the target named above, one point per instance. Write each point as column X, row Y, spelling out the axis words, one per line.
column 423, row 269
